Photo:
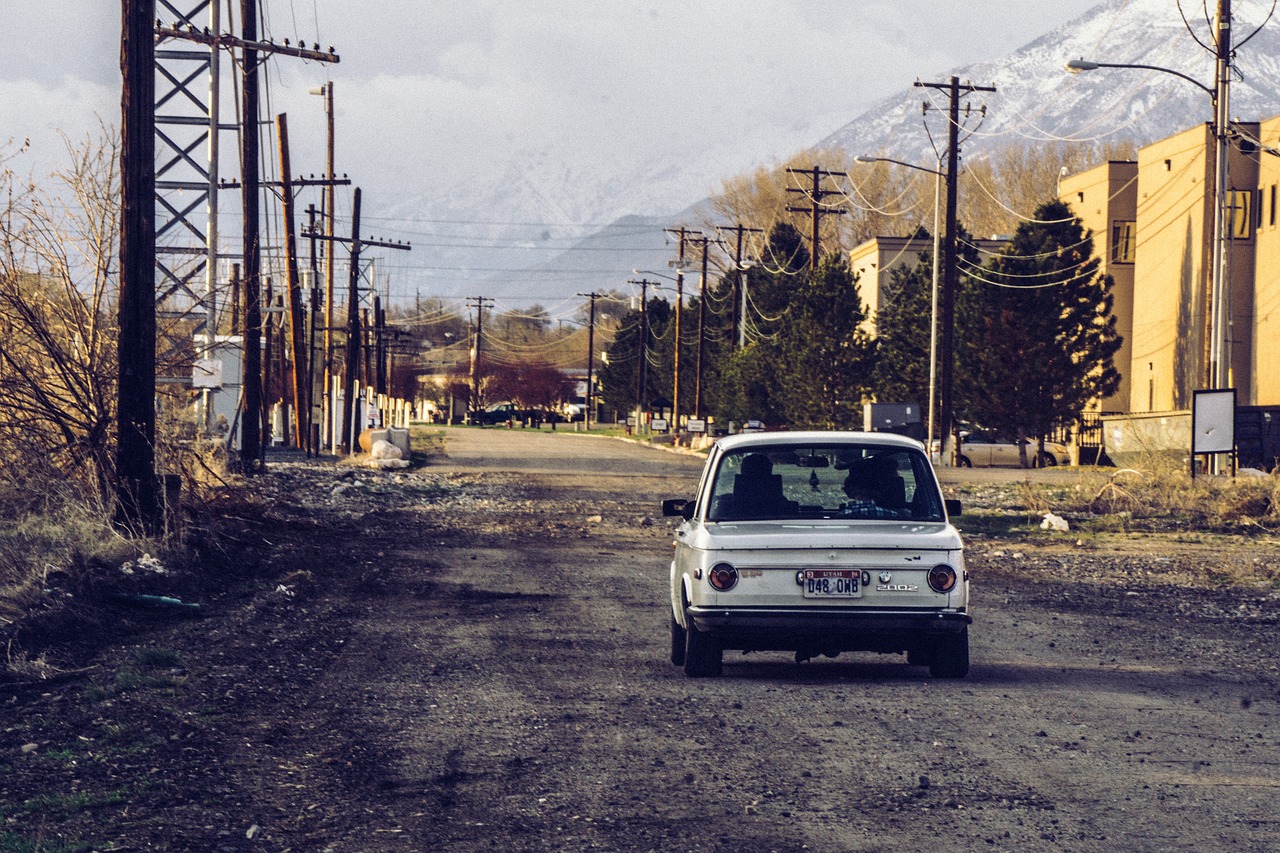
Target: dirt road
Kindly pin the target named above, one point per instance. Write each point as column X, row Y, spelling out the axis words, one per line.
column 481, row 665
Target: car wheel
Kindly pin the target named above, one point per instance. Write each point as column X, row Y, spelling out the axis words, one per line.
column 951, row 656
column 1047, row 460
column 965, row 462
column 677, row 642
column 703, row 656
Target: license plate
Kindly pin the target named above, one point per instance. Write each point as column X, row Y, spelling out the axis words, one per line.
column 832, row 583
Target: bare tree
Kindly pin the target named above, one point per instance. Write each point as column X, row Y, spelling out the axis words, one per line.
column 58, row 277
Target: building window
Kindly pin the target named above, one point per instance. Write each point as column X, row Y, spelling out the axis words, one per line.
column 1272, row 220
column 1122, row 242
column 1238, row 207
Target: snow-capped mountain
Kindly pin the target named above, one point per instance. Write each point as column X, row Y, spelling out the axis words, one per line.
column 1036, row 100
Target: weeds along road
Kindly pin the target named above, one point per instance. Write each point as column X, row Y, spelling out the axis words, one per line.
column 481, row 664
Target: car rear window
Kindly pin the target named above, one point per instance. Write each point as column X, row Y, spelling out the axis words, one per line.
column 864, row 481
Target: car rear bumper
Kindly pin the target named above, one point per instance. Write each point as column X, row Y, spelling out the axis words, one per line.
column 789, row 629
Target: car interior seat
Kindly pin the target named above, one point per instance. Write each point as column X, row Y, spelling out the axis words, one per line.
column 757, row 491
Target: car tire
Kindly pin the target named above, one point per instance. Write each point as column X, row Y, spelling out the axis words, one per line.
column 1047, row 460
column 965, row 462
column 703, row 657
column 677, row 642
column 950, row 657
column 918, row 657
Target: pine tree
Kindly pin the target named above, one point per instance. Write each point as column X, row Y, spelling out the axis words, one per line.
column 1035, row 334
column 827, row 353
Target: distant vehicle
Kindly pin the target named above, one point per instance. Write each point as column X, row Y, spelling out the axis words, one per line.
column 500, row 413
column 984, row 450
column 818, row 543
column 753, row 426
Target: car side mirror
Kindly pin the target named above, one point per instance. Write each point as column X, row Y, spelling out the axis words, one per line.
column 953, row 507
column 677, row 506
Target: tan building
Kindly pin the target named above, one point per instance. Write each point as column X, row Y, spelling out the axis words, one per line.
column 875, row 259
column 1106, row 200
column 1266, row 292
column 1163, row 240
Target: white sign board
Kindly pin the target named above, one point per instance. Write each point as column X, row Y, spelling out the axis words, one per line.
column 658, row 425
column 1213, row 421
column 207, row 373
column 697, row 425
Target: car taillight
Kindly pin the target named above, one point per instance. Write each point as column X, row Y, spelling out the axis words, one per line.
column 942, row 578
column 723, row 577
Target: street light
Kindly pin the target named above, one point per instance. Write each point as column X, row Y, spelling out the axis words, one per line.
column 938, row 175
column 1219, row 362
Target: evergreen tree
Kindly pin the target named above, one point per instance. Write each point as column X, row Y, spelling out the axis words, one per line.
column 903, row 334
column 1035, row 333
column 826, row 354
column 749, row 384
column 618, row 377
column 904, row 325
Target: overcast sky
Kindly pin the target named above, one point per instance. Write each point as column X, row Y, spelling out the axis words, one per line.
column 430, row 91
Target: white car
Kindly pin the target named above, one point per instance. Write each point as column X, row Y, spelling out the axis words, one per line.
column 818, row 543
column 983, row 450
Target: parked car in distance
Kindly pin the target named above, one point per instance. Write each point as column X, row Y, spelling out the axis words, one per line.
column 985, row 450
column 818, row 543
column 500, row 413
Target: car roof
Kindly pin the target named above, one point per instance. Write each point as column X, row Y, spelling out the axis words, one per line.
column 808, row 437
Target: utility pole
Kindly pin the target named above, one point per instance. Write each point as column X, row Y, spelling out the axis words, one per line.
column 353, row 331
column 950, row 277
column 816, row 210
column 642, row 349
column 328, row 211
column 312, row 446
column 137, row 499
column 1220, row 354
column 481, row 302
column 684, row 234
column 354, row 334
column 591, row 354
column 251, row 431
column 379, row 345
column 702, row 329
column 301, row 419
column 739, row 286
column 184, row 29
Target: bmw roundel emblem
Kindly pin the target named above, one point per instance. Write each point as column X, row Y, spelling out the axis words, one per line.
column 885, row 577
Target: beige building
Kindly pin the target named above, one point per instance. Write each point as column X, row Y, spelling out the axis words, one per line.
column 1106, row 200
column 1157, row 218
column 875, row 259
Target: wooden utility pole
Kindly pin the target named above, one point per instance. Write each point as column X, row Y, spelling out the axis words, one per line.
column 353, row 331
column 683, row 234
column 355, row 341
column 138, row 508
column 591, row 354
column 950, row 274
column 251, row 432
column 480, row 303
column 702, row 329
column 816, row 210
column 379, row 346
column 301, row 419
column 642, row 349
column 328, row 252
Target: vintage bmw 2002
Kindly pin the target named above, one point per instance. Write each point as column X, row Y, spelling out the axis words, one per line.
column 818, row 543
